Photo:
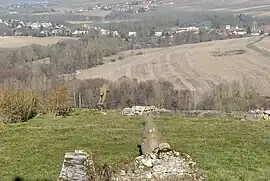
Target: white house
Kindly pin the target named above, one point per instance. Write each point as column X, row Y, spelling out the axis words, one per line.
column 255, row 34
column 114, row 33
column 132, row 33
column 159, row 33
column 76, row 32
column 104, row 32
column 227, row 27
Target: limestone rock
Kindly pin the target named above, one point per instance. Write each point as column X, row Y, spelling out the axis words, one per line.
column 75, row 167
column 147, row 162
column 128, row 112
column 139, row 110
column 159, row 161
column 164, row 166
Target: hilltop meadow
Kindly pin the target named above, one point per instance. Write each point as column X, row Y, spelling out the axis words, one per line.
column 225, row 149
column 43, row 81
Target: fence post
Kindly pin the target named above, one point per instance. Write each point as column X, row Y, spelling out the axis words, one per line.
column 80, row 100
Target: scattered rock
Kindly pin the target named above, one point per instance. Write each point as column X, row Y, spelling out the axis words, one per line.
column 139, row 110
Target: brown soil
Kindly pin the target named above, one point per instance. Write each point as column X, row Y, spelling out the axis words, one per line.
column 191, row 66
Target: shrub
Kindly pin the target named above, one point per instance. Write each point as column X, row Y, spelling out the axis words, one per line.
column 17, row 105
column 56, row 101
column 128, row 92
column 121, row 57
column 139, row 53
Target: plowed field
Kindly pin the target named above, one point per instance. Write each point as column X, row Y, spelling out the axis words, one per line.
column 193, row 66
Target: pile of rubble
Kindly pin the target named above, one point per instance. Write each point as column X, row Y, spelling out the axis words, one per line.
column 259, row 114
column 158, row 161
column 203, row 113
column 162, row 164
column 139, row 110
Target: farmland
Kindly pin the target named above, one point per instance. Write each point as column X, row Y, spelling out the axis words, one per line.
column 265, row 44
column 191, row 66
column 20, row 41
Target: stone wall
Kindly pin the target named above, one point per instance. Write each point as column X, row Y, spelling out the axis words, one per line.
column 164, row 164
column 139, row 110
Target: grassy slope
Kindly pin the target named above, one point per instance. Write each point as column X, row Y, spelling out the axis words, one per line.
column 227, row 150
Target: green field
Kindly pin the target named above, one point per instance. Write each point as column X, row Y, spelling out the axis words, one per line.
column 226, row 150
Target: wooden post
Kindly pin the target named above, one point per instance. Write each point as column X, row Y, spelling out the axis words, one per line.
column 74, row 89
column 74, row 99
column 80, row 100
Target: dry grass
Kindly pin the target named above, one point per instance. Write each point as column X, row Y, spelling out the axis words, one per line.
column 190, row 66
column 20, row 41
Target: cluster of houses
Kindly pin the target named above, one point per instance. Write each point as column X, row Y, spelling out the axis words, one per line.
column 20, row 28
column 253, row 31
column 128, row 7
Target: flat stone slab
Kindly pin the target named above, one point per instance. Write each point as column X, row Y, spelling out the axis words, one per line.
column 74, row 167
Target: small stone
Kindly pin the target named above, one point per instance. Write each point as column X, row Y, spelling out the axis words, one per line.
column 152, row 156
column 156, row 162
column 141, row 167
column 149, row 175
column 163, row 146
column 147, row 162
column 176, row 153
column 137, row 171
column 123, row 172
column 159, row 168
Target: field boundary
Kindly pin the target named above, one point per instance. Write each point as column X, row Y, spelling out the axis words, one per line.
column 253, row 46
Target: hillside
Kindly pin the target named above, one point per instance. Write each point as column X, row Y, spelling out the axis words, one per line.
column 192, row 66
column 20, row 41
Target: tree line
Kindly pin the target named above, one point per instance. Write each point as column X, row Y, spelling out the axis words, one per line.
column 18, row 103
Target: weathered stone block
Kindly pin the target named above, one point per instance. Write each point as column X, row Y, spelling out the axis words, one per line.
column 75, row 167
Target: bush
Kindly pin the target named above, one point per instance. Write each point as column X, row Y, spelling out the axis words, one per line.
column 17, row 105
column 121, row 57
column 139, row 53
column 237, row 96
column 56, row 101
